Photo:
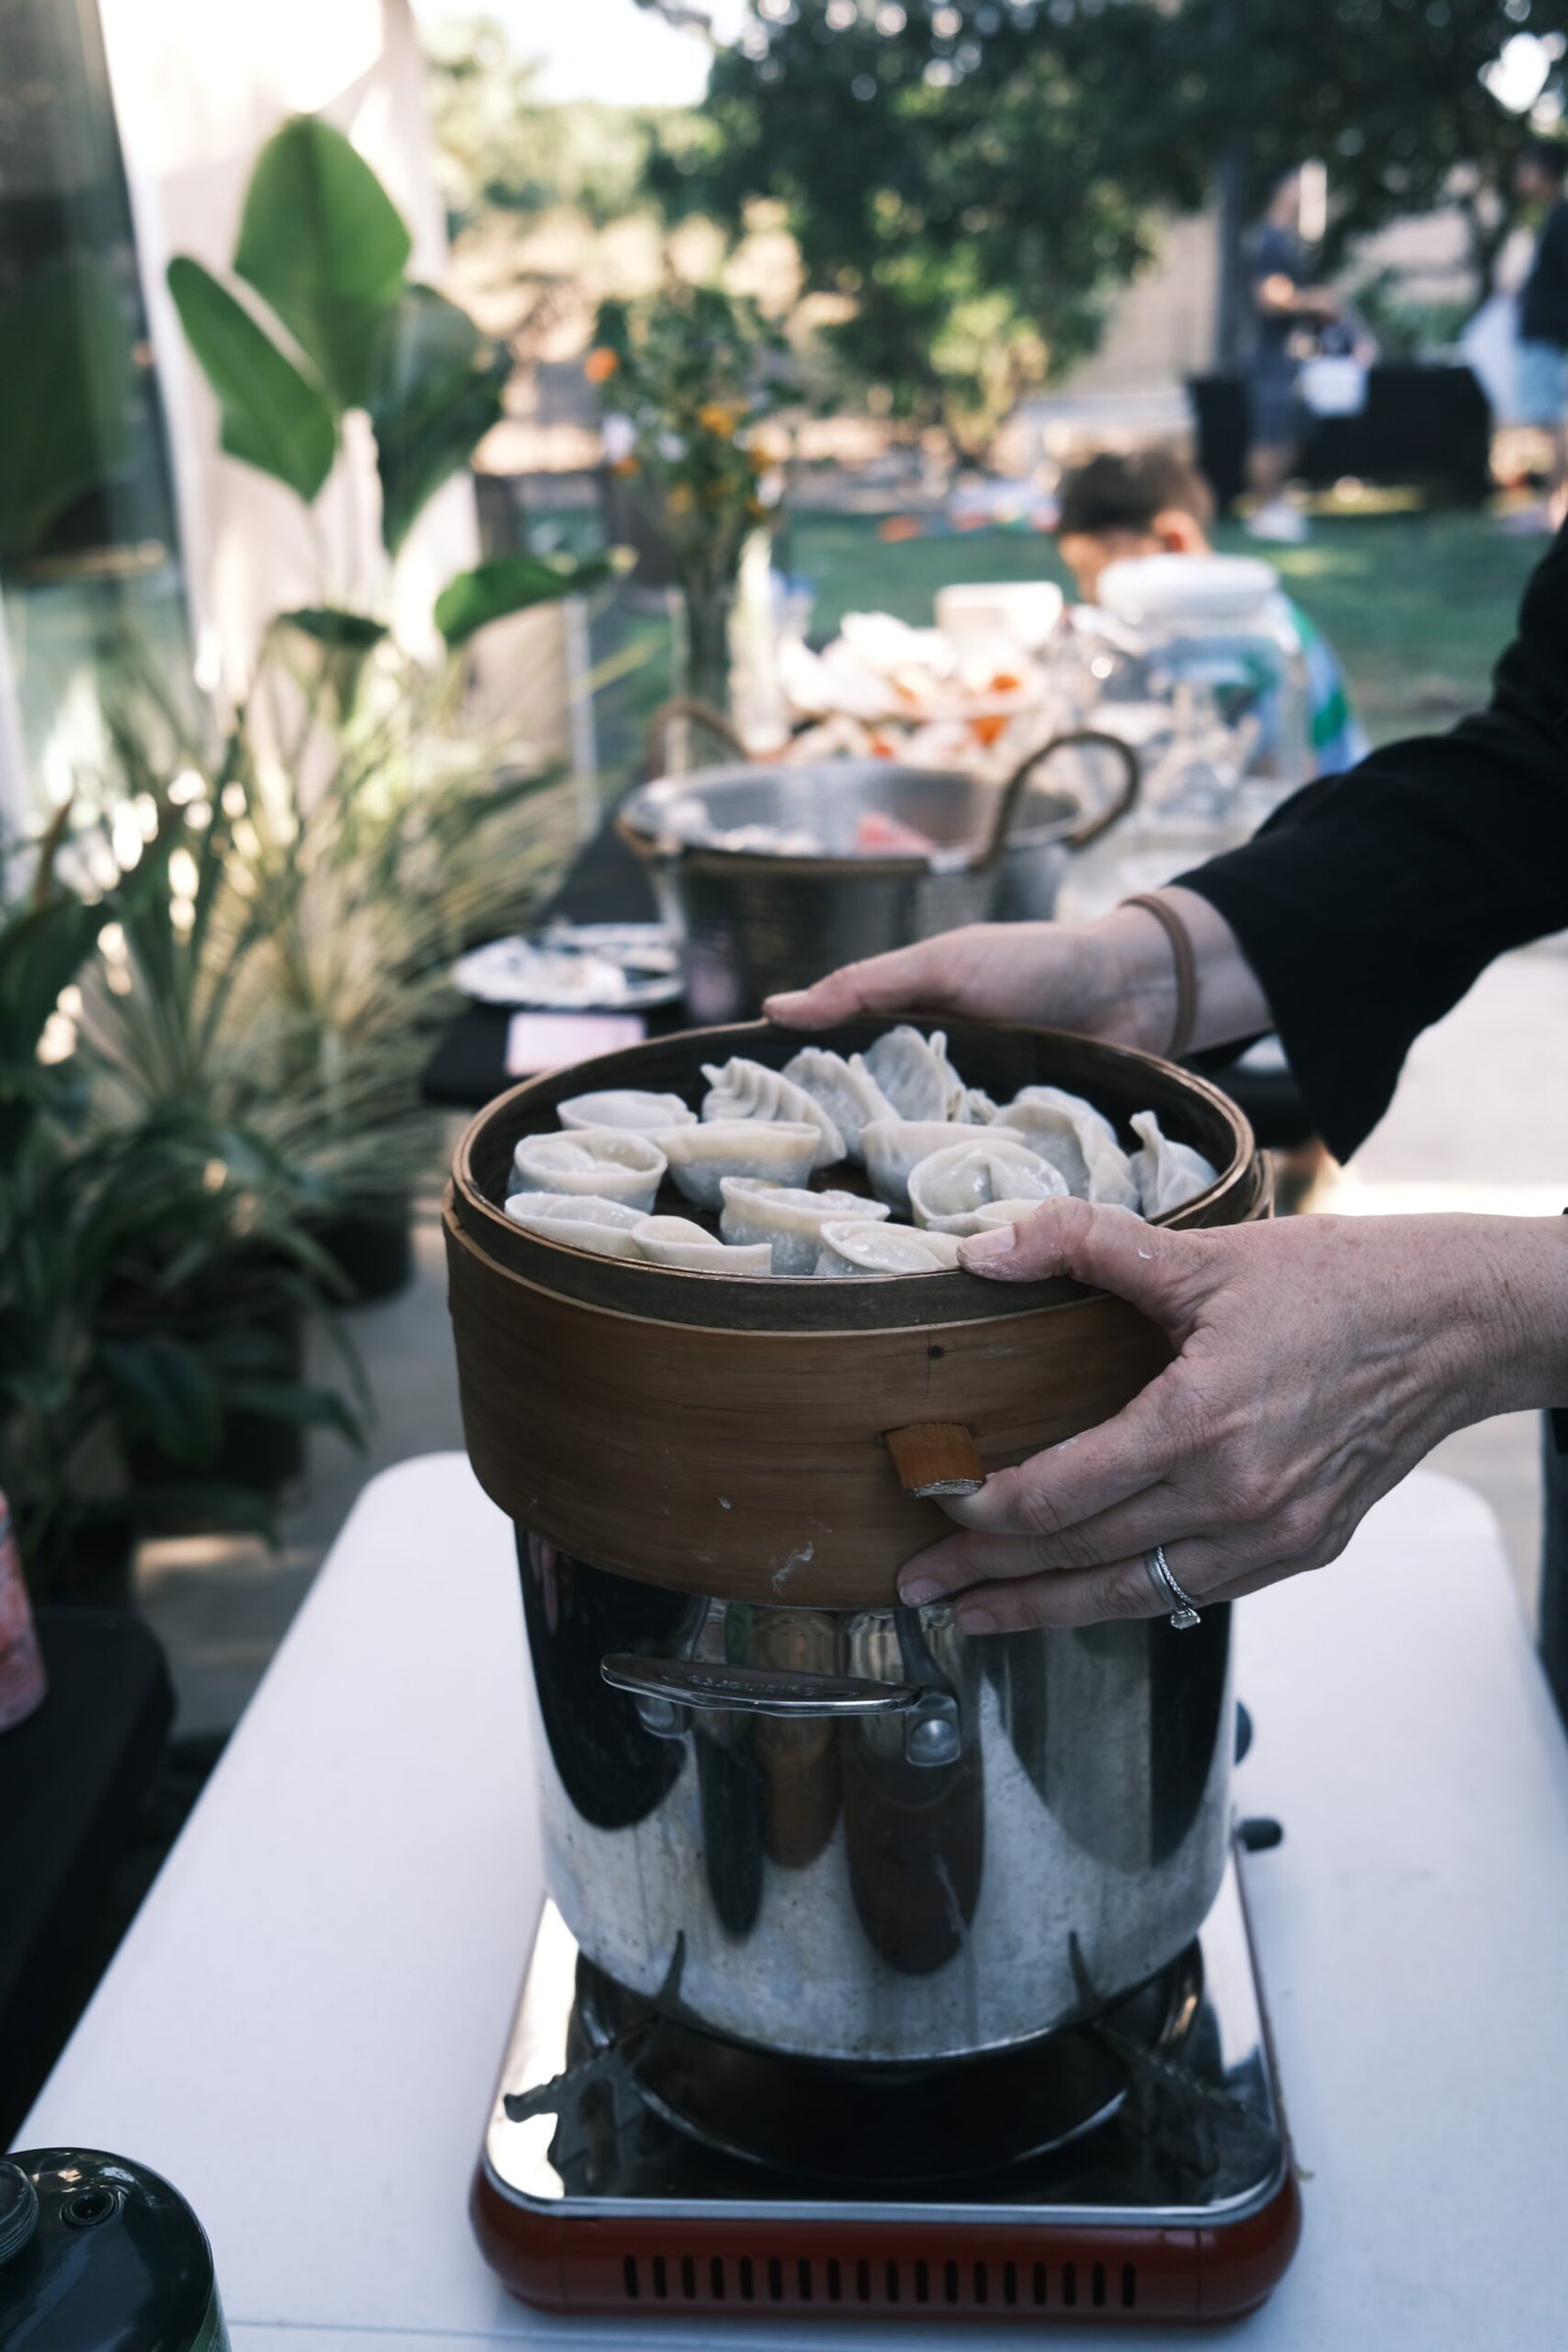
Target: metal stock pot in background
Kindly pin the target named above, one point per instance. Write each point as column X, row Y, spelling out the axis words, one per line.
column 750, row 921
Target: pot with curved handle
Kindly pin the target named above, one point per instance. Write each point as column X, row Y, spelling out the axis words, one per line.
column 752, row 921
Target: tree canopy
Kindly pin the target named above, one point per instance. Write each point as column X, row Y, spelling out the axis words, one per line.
column 974, row 179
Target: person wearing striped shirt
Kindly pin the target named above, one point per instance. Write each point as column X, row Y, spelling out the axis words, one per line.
column 1151, row 502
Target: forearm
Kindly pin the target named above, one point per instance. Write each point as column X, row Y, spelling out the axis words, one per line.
column 1130, row 977
column 1516, row 1345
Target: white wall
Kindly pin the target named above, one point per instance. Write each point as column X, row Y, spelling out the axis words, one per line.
column 198, row 89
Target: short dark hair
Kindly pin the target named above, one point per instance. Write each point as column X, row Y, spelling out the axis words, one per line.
column 1116, row 492
column 1546, row 155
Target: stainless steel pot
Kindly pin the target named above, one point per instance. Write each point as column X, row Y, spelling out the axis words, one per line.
column 864, row 1835
column 750, row 922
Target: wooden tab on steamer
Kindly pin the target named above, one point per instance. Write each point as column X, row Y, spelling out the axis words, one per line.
column 934, row 1458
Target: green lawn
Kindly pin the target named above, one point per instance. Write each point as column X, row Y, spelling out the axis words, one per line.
column 1418, row 605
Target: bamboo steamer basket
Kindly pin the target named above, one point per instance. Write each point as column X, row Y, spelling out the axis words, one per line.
column 780, row 1441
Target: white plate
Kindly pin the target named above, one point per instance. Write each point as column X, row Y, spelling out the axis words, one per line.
column 575, row 967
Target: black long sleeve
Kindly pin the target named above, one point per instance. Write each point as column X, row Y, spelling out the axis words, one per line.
column 1371, row 900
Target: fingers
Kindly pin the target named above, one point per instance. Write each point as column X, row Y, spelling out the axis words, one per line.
column 908, row 976
column 1010, row 1507
column 1122, row 1590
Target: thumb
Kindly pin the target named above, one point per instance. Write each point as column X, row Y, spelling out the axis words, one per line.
column 1113, row 1248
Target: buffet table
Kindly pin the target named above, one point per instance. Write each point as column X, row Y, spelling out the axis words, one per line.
column 302, row 2027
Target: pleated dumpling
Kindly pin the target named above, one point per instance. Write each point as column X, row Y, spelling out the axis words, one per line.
column 844, row 1089
column 1078, row 1140
column 614, row 1162
column 915, row 1074
column 750, row 1089
column 1167, row 1173
column 773, row 1151
column 582, row 1220
column 789, row 1218
column 949, row 1189
column 677, row 1242
column 626, row 1107
column 855, row 1245
column 893, row 1146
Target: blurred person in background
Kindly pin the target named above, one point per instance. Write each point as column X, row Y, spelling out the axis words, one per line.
column 1282, row 307
column 1151, row 503
column 1543, row 362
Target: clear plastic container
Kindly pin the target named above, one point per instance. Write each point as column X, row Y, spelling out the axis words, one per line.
column 1218, row 628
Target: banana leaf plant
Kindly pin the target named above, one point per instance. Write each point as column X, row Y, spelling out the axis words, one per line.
column 323, row 246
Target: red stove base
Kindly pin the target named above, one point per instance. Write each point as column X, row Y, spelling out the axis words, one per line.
column 925, row 2268
column 589, row 2200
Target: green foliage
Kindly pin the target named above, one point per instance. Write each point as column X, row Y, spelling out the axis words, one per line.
column 1407, row 328
column 688, row 369
column 511, row 584
column 65, row 394
column 954, row 192
column 502, row 150
column 436, row 396
column 325, row 246
column 272, row 418
column 1390, row 94
column 323, row 243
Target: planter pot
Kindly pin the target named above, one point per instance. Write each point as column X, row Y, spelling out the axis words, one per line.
column 373, row 1255
column 99, row 1574
column 259, row 1452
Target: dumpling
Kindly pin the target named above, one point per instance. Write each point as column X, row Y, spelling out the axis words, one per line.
column 975, row 1108
column 750, row 1089
column 914, row 1073
column 893, row 1146
column 610, row 1161
column 845, row 1091
column 788, row 1218
column 947, row 1188
column 857, row 1246
column 1077, row 1139
column 581, row 1219
column 773, row 1151
column 626, row 1107
column 677, row 1242
column 1167, row 1173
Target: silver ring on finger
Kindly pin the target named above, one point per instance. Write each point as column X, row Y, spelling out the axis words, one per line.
column 1185, row 1612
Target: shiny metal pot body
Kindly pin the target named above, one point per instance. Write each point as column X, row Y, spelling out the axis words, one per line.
column 865, row 1835
column 750, row 922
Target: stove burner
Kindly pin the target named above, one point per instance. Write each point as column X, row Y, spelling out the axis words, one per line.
column 881, row 2122
column 1136, row 2165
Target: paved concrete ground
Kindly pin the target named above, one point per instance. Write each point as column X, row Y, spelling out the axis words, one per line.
column 1481, row 1122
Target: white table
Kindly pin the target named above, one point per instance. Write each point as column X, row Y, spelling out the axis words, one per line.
column 302, row 2027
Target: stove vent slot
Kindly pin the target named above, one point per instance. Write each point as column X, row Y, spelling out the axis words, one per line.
column 878, row 2283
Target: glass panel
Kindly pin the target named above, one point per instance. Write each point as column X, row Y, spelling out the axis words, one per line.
column 90, row 562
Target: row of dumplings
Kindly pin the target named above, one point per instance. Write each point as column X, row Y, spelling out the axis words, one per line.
column 940, row 1154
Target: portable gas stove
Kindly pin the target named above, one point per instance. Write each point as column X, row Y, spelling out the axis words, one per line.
column 1135, row 2167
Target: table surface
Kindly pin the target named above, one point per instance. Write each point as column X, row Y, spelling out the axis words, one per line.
column 302, row 2027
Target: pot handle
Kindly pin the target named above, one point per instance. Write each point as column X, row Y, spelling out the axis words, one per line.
column 656, row 740
column 668, row 1690
column 755, row 1690
column 1093, row 827
column 934, row 1458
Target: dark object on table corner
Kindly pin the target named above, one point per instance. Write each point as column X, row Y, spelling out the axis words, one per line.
column 74, row 1782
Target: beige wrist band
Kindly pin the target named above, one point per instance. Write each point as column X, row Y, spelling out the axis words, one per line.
column 1181, row 947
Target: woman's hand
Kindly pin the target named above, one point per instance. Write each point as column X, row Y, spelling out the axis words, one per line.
column 1317, row 1360
column 1114, row 979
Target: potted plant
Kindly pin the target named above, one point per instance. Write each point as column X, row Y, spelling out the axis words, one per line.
column 683, row 374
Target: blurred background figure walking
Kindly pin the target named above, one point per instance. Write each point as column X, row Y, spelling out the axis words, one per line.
column 1542, row 363
column 1285, row 312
